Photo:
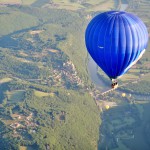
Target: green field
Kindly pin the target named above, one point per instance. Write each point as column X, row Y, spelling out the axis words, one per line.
column 13, row 20
column 15, row 96
column 43, row 94
column 129, row 77
column 5, row 80
column 102, row 6
column 20, row 2
column 10, row 1
column 89, row 5
column 28, row 2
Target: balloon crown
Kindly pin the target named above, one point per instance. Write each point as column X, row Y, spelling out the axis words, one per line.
column 115, row 12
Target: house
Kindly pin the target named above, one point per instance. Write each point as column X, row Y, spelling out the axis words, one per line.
column 15, row 125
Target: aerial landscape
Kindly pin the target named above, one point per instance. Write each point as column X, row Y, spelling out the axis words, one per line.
column 52, row 94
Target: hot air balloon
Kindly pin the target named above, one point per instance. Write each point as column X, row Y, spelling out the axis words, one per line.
column 123, row 94
column 116, row 40
column 107, row 107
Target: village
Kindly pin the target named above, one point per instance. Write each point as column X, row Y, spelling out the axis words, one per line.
column 67, row 73
column 20, row 123
column 23, row 123
column 70, row 74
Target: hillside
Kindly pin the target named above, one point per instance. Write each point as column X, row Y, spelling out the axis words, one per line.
column 44, row 84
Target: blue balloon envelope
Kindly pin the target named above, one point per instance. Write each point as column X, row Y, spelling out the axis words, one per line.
column 116, row 40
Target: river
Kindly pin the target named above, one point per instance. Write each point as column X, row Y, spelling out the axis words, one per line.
column 92, row 69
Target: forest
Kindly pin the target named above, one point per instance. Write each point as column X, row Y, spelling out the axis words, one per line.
column 44, row 96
